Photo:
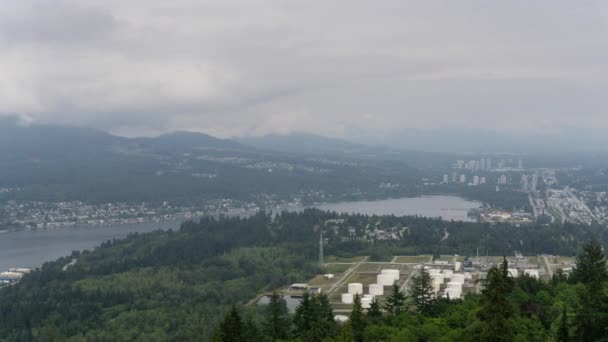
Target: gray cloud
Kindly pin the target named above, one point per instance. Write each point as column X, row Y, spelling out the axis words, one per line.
column 330, row 67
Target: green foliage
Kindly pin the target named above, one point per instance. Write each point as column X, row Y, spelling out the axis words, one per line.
column 357, row 320
column 395, row 302
column 421, row 291
column 276, row 323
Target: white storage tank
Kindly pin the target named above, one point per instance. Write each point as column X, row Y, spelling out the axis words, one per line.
column 433, row 271
column 347, row 298
column 454, row 285
column 437, row 278
column 458, row 277
column 355, row 288
column 513, row 272
column 452, row 294
column 532, row 272
column 366, row 303
column 385, row 279
column 376, row 289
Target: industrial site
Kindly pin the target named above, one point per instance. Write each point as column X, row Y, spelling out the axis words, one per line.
column 452, row 276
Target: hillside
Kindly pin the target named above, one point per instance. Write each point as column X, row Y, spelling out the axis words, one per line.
column 176, row 285
column 55, row 163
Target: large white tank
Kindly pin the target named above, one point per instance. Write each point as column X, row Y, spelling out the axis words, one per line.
column 394, row 273
column 457, row 266
column 458, row 277
column 532, row 272
column 385, row 279
column 437, row 278
column 447, row 274
column 452, row 294
column 434, row 271
column 347, row 298
column 513, row 272
column 454, row 285
column 355, row 288
column 376, row 289
column 366, row 303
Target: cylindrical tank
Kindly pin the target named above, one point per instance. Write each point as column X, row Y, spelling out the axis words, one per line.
column 385, row 279
column 437, row 278
column 447, row 274
column 452, row 293
column 355, row 288
column 347, row 298
column 458, row 277
column 376, row 289
column 454, row 285
column 366, row 303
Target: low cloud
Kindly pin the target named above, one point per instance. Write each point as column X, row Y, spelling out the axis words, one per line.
column 330, row 67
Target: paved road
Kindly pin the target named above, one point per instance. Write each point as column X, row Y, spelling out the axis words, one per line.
column 345, row 277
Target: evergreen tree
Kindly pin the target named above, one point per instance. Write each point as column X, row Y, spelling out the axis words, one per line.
column 590, row 265
column 421, row 291
column 304, row 315
column 563, row 332
column 230, row 329
column 374, row 314
column 395, row 303
column 591, row 318
column 276, row 323
column 496, row 310
column 357, row 320
column 251, row 332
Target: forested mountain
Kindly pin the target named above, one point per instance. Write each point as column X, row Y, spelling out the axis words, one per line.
column 176, row 285
column 52, row 163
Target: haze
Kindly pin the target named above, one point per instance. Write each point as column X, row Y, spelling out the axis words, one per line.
column 337, row 68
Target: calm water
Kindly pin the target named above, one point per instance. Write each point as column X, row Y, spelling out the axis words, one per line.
column 32, row 248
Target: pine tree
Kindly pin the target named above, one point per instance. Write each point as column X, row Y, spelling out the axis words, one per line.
column 374, row 314
column 276, row 323
column 592, row 316
column 357, row 319
column 591, row 265
column 421, row 291
column 395, row 303
column 563, row 332
column 303, row 317
column 496, row 310
column 230, row 329
column 251, row 332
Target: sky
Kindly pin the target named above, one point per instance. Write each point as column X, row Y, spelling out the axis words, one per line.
column 331, row 67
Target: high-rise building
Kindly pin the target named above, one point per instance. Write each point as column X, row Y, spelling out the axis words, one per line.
column 483, row 164
column 463, row 178
column 482, row 180
column 454, row 177
column 524, row 183
column 475, row 180
column 502, row 179
column 488, row 164
column 477, row 165
column 520, row 164
column 445, row 179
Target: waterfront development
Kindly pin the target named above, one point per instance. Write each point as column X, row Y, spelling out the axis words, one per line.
column 32, row 247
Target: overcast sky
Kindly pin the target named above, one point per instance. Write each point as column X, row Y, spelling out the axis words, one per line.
column 141, row 67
